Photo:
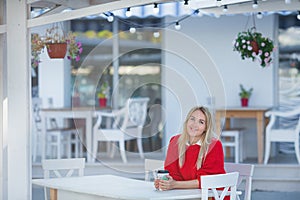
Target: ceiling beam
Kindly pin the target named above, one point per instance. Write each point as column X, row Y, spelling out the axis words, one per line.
column 83, row 12
column 246, row 7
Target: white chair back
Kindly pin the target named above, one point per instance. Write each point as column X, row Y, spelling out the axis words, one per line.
column 284, row 126
column 245, row 175
column 151, row 165
column 128, row 124
column 213, row 183
column 62, row 168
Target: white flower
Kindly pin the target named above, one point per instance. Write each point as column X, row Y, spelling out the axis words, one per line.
column 249, row 48
column 237, row 44
column 260, row 52
column 263, row 44
column 244, row 46
column 243, row 41
column 248, row 42
column 253, row 54
column 266, row 54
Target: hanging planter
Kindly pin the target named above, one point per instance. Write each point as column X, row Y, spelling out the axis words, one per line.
column 58, row 45
column 57, row 50
column 251, row 44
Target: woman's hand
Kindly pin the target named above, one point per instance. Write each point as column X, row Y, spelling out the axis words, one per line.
column 156, row 183
column 166, row 184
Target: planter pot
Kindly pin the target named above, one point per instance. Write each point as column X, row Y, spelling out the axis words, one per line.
column 254, row 46
column 102, row 102
column 57, row 50
column 244, row 102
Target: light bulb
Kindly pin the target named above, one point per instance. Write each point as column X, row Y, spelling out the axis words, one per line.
column 177, row 26
column 132, row 30
column 225, row 9
column 298, row 16
column 110, row 18
column 156, row 34
column 288, row 1
column 155, row 9
column 128, row 12
column 259, row 15
column 219, row 3
column 255, row 5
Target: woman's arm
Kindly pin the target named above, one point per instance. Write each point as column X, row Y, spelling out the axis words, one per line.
column 173, row 184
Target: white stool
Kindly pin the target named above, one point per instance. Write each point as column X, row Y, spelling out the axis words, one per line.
column 233, row 138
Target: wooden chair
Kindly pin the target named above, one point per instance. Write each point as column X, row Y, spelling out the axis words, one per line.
column 245, row 176
column 127, row 125
column 62, row 168
column 284, row 126
column 213, row 182
column 151, row 165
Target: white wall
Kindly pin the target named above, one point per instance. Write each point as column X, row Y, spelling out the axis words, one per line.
column 202, row 56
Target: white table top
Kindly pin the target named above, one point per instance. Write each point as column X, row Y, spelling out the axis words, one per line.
column 115, row 187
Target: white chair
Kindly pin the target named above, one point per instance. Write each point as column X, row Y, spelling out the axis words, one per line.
column 127, row 125
column 62, row 168
column 151, row 165
column 225, row 183
column 233, row 138
column 245, row 177
column 56, row 137
column 284, row 126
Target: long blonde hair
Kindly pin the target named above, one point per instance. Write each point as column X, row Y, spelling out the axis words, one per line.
column 206, row 140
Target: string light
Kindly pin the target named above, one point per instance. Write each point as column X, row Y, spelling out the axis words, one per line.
column 132, row 30
column 225, row 9
column 110, row 18
column 298, row 16
column 219, row 3
column 156, row 34
column 288, row 1
column 259, row 15
column 177, row 26
column 156, row 8
column 254, row 5
column 128, row 12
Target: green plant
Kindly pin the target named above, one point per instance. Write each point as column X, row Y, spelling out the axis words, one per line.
column 253, row 45
column 245, row 93
column 54, row 35
column 104, row 90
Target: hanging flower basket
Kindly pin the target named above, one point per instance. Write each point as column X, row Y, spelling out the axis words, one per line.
column 57, row 50
column 253, row 45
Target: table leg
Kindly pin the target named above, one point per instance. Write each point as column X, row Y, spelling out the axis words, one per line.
column 53, row 194
column 260, row 136
column 88, row 126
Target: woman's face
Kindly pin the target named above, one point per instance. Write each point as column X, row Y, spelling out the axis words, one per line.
column 196, row 125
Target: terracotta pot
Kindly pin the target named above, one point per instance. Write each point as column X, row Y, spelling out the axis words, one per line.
column 254, row 46
column 244, row 102
column 102, row 102
column 57, row 50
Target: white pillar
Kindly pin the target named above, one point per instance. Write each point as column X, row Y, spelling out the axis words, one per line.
column 3, row 171
column 18, row 102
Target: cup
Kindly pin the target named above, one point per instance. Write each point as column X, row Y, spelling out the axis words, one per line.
column 162, row 175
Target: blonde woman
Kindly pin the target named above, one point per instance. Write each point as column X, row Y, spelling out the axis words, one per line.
column 193, row 153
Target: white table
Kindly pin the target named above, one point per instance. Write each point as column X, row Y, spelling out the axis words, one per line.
column 71, row 113
column 110, row 187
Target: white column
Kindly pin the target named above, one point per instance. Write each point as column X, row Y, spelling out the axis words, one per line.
column 18, row 102
column 3, row 172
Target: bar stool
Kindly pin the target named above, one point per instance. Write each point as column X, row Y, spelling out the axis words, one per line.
column 233, row 138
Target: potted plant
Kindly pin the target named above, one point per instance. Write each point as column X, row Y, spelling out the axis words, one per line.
column 245, row 95
column 103, row 94
column 57, row 45
column 251, row 44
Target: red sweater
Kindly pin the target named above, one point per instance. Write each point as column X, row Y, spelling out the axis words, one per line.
column 212, row 164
